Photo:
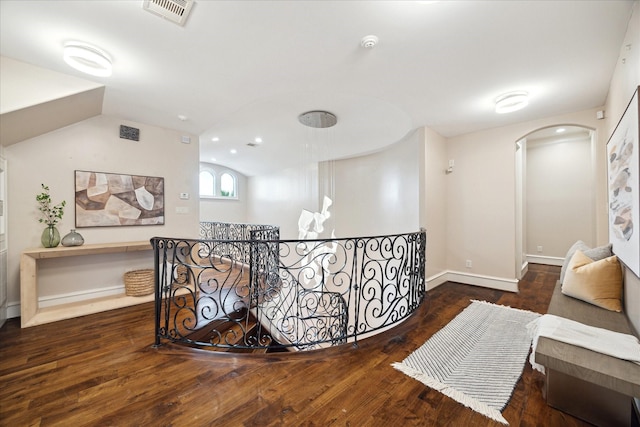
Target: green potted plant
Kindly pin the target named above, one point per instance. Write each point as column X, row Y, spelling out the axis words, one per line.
column 50, row 214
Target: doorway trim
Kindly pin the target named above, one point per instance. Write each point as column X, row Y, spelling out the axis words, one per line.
column 522, row 259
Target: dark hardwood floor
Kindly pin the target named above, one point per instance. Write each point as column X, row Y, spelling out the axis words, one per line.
column 101, row 370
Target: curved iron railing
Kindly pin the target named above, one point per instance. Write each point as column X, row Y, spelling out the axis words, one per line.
column 236, row 231
column 298, row 295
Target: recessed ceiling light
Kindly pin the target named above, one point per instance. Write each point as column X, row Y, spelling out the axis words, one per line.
column 233, row 151
column 215, row 139
column 512, row 101
column 258, row 140
column 560, row 130
column 88, row 59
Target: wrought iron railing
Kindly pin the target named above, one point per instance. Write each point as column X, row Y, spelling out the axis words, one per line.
column 220, row 231
column 298, row 295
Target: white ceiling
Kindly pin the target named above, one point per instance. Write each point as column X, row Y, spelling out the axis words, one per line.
column 242, row 69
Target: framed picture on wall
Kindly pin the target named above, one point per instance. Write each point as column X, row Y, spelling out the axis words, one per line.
column 112, row 200
column 623, row 164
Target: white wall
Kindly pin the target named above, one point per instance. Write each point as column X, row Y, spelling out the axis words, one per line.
column 481, row 196
column 4, row 254
column 433, row 210
column 225, row 209
column 278, row 198
column 374, row 194
column 480, row 205
column 468, row 214
column 94, row 145
column 378, row 194
column 521, row 212
column 626, row 78
column 560, row 196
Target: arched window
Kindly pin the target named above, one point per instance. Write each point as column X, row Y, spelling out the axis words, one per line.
column 207, row 184
column 227, row 185
column 216, row 183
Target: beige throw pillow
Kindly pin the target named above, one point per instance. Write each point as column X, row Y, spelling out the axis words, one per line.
column 595, row 254
column 596, row 282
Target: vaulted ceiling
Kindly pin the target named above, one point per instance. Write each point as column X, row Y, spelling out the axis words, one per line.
column 238, row 70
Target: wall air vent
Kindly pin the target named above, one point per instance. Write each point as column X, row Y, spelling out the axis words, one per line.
column 127, row 132
column 174, row 10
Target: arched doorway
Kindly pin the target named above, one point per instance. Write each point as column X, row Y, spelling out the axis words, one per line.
column 556, row 193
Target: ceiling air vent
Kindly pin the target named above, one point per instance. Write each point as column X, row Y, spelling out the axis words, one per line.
column 174, row 10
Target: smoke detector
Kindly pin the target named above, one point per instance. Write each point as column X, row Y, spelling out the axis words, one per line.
column 369, row 42
column 173, row 10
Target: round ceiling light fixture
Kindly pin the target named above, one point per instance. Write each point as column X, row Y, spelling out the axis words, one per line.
column 318, row 119
column 512, row 101
column 88, row 59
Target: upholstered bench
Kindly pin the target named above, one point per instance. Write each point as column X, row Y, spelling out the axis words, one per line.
column 589, row 385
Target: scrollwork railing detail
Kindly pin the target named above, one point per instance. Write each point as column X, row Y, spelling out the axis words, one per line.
column 263, row 292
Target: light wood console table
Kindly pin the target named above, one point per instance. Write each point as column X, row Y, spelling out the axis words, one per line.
column 30, row 312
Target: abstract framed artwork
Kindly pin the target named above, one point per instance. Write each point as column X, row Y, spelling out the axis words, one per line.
column 111, row 200
column 623, row 164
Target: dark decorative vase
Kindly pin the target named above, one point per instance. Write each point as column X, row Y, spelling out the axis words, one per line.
column 50, row 237
column 72, row 239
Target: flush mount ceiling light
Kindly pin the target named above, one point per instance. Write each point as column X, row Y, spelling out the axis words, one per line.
column 88, row 59
column 512, row 101
column 318, row 119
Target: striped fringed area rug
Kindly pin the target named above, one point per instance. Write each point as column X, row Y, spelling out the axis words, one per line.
column 477, row 358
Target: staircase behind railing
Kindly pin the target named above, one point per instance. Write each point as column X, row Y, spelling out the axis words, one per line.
column 284, row 294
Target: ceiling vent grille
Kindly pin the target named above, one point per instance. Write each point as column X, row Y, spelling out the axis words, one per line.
column 174, row 10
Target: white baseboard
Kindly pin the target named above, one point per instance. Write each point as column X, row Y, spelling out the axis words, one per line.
column 546, row 260
column 13, row 308
column 77, row 296
column 525, row 269
column 436, row 280
column 499, row 283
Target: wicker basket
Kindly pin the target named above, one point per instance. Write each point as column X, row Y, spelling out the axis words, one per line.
column 182, row 275
column 139, row 282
